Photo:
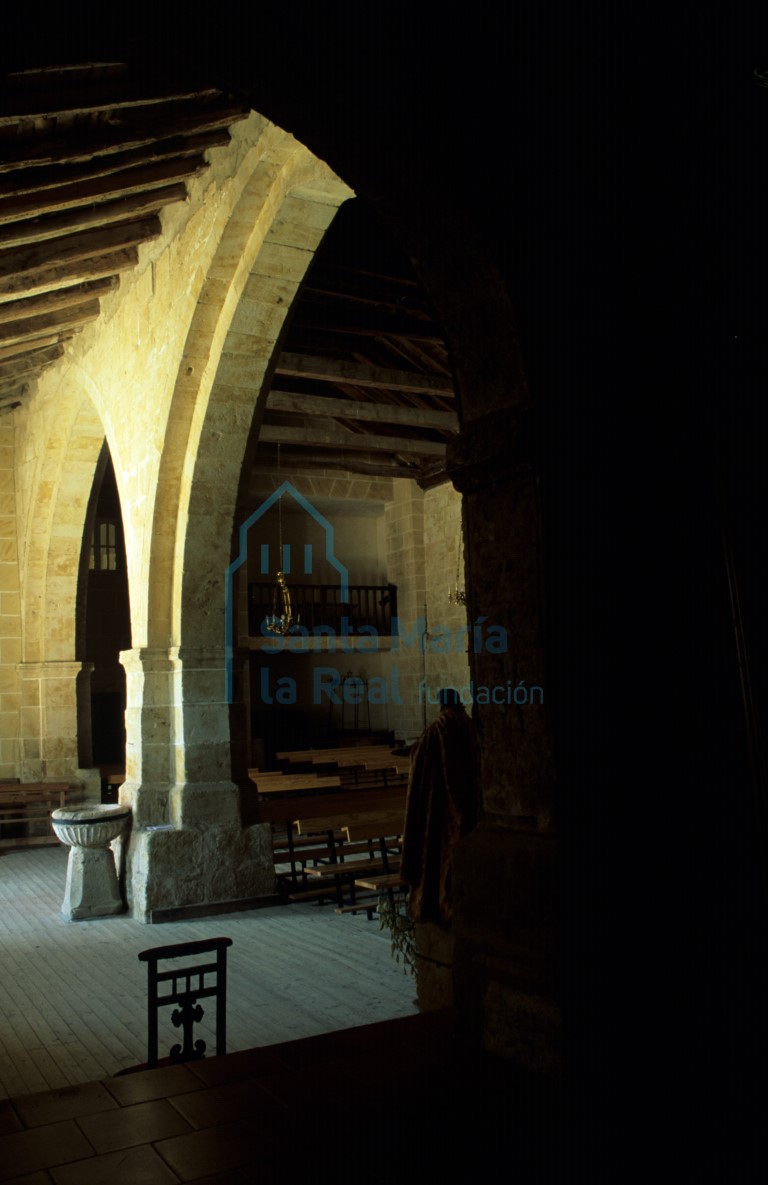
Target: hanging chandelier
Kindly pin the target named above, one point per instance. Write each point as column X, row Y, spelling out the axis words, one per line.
column 281, row 620
column 457, row 595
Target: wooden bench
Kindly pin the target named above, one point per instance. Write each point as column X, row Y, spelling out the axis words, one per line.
column 24, row 804
column 297, row 784
column 374, row 832
column 291, row 855
column 281, row 812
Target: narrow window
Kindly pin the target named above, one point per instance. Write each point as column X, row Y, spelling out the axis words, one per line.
column 104, row 546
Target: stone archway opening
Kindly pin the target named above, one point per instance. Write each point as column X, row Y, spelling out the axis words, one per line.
column 354, row 415
column 104, row 618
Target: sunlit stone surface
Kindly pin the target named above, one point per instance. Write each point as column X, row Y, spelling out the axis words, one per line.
column 92, row 890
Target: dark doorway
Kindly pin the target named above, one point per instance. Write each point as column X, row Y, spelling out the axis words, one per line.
column 107, row 622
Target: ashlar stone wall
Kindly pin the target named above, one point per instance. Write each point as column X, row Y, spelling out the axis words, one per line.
column 446, row 650
column 404, row 526
column 10, row 607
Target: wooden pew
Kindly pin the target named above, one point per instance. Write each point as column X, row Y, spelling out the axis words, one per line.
column 295, row 784
column 288, row 846
column 384, row 882
column 32, row 802
column 373, row 832
column 282, row 810
column 338, row 758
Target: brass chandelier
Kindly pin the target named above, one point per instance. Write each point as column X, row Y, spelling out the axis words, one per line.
column 457, row 595
column 281, row 620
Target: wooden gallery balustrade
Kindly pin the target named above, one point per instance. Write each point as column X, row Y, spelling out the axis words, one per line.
column 320, row 605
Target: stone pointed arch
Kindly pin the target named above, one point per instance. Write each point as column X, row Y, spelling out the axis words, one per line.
column 177, row 717
column 285, row 207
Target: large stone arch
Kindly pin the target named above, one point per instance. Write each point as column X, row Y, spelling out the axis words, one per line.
column 178, row 747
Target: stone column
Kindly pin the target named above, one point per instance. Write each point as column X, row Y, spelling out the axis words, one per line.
column 10, row 608
column 446, row 663
column 204, row 792
column 178, row 780
column 149, row 772
column 55, row 719
column 506, row 924
column 404, row 519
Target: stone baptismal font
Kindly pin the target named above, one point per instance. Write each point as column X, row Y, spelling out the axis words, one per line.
column 92, row 889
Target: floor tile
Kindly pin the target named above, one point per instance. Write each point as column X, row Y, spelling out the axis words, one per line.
column 9, row 1120
column 51, row 1106
column 132, row 1166
column 228, row 1102
column 213, row 1150
column 151, row 1084
column 247, row 1063
column 41, row 1178
column 266, row 1174
column 328, row 1080
column 26, row 1151
column 142, row 1123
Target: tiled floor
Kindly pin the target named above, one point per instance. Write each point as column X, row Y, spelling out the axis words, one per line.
column 72, row 996
column 392, row 1103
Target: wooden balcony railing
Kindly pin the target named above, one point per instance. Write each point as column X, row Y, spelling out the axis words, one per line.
column 319, row 605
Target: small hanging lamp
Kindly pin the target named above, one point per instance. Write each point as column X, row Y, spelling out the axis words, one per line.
column 457, row 595
column 281, row 620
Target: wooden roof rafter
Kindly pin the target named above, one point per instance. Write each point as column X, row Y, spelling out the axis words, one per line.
column 91, row 155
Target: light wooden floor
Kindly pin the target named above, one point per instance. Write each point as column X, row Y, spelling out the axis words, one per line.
column 72, row 995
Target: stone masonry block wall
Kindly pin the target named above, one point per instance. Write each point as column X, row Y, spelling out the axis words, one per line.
column 404, row 526
column 10, row 610
column 446, row 660
column 126, row 361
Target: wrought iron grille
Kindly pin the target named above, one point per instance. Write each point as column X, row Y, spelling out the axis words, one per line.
column 183, row 991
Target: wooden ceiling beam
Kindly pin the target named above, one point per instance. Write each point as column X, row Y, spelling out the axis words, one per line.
column 354, row 409
column 332, row 370
column 323, row 435
column 46, row 279
column 122, row 184
column 30, row 363
column 18, row 262
column 48, row 227
column 48, row 302
column 9, row 405
column 35, row 180
column 398, row 328
column 23, row 349
column 16, row 388
column 122, row 94
column 165, row 135
column 369, row 465
column 391, row 303
column 61, row 321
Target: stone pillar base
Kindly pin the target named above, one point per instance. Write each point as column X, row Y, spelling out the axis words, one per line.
column 507, row 943
column 192, row 866
column 92, row 890
column 434, row 967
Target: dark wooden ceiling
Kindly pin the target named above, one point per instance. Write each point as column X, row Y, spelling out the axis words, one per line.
column 88, row 159
column 362, row 381
column 90, row 155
